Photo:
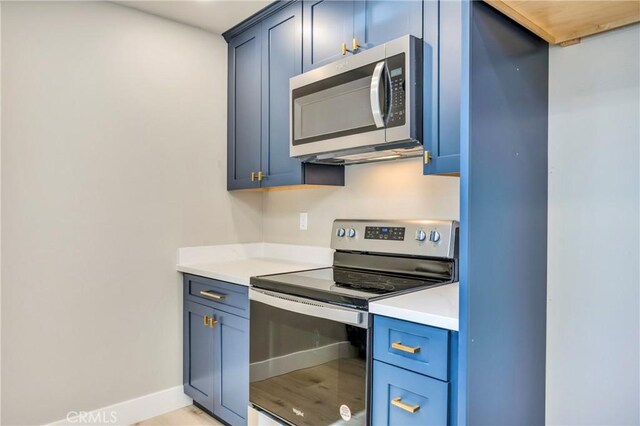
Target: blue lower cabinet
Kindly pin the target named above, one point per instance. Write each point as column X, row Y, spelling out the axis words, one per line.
column 416, row 347
column 414, row 373
column 231, row 364
column 216, row 352
column 199, row 343
column 402, row 397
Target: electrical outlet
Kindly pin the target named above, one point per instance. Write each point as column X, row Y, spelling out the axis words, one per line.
column 304, row 221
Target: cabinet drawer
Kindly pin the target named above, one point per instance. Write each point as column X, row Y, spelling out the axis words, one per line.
column 412, row 346
column 231, row 298
column 402, row 397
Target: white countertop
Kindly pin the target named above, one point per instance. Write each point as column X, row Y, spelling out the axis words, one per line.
column 437, row 307
column 237, row 263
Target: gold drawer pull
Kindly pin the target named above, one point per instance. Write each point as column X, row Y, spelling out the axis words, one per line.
column 213, row 295
column 399, row 346
column 212, row 322
column 206, row 320
column 354, row 44
column 406, row 407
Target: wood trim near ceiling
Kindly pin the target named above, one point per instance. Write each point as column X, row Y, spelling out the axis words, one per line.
column 565, row 22
column 504, row 7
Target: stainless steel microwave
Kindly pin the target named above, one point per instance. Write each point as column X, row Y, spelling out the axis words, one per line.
column 365, row 107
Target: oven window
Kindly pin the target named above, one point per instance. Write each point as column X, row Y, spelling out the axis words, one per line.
column 334, row 107
column 307, row 370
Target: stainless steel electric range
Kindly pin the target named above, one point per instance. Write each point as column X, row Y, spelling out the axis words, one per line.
column 309, row 338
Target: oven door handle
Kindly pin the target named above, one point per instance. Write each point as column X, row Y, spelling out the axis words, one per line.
column 374, row 95
column 309, row 307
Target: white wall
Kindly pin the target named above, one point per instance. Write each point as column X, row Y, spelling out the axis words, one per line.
column 386, row 190
column 593, row 277
column 113, row 156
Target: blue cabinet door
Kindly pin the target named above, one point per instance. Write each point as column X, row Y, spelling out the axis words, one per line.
column 281, row 60
column 327, row 24
column 244, row 127
column 402, row 397
column 231, row 364
column 198, row 351
column 442, row 90
column 379, row 21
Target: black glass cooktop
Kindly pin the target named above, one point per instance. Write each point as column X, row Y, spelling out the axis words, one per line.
column 343, row 286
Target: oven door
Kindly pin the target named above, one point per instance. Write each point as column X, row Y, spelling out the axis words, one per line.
column 308, row 360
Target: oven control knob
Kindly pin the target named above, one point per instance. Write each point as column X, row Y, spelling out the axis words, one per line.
column 434, row 236
column 340, row 232
column 351, row 232
column 421, row 235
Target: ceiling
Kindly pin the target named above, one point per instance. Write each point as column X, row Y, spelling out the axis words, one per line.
column 215, row 16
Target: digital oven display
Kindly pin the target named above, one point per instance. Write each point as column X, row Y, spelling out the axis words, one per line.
column 393, row 233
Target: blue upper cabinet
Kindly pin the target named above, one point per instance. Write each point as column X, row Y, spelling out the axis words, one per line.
column 442, row 77
column 281, row 60
column 376, row 22
column 244, row 126
column 327, row 25
column 262, row 59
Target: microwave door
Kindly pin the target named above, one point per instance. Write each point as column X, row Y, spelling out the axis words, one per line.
column 336, row 113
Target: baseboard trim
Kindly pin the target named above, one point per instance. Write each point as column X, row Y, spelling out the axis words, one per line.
column 131, row 411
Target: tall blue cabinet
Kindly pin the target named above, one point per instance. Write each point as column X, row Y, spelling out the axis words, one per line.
column 503, row 219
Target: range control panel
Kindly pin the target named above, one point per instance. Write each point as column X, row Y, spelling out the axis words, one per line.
column 393, row 233
column 433, row 238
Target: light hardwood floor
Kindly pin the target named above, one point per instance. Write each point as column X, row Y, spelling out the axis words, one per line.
column 187, row 416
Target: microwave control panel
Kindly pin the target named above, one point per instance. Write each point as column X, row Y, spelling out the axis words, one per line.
column 397, row 108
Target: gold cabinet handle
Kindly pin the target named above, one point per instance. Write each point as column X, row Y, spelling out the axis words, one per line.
column 253, row 176
column 213, row 295
column 206, row 320
column 399, row 346
column 344, row 49
column 406, row 407
column 354, row 44
column 261, row 176
column 427, row 157
column 212, row 322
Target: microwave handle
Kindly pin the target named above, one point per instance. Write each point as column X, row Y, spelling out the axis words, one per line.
column 314, row 309
column 374, row 94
